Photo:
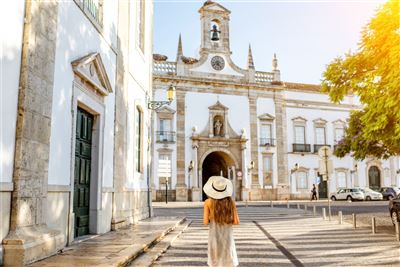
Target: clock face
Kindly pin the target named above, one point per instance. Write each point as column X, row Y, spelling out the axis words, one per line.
column 217, row 63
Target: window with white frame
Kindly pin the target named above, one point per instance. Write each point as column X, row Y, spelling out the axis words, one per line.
column 302, row 182
column 339, row 133
column 93, row 10
column 139, row 140
column 266, row 131
column 267, row 169
column 320, row 137
column 164, row 168
column 299, row 134
column 164, row 130
column 341, row 179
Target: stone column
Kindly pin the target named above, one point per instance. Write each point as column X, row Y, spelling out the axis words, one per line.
column 181, row 188
column 281, row 147
column 255, row 184
column 245, row 181
column 29, row 238
column 196, row 190
column 195, row 163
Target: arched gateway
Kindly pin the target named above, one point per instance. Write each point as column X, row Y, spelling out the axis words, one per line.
column 220, row 163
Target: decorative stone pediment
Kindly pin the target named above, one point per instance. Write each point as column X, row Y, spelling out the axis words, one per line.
column 218, row 106
column 210, row 5
column 320, row 121
column 165, row 112
column 299, row 119
column 91, row 70
column 266, row 117
column 339, row 122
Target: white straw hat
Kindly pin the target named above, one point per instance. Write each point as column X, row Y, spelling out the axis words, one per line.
column 218, row 187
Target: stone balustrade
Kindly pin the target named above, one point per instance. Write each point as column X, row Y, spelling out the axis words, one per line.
column 164, row 67
column 264, row 77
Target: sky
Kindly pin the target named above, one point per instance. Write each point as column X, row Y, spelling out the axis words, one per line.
column 305, row 35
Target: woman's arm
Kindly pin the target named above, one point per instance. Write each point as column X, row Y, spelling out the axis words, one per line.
column 235, row 217
column 206, row 215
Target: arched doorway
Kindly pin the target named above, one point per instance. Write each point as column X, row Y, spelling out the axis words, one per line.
column 374, row 177
column 218, row 163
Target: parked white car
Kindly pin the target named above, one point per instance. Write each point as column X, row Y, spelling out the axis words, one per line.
column 348, row 194
column 370, row 194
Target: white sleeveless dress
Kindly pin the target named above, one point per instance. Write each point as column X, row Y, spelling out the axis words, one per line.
column 221, row 246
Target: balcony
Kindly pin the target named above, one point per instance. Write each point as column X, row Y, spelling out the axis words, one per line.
column 163, row 136
column 301, row 148
column 267, row 142
column 317, row 147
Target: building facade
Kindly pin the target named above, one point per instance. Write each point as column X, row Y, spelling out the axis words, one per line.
column 249, row 126
column 75, row 124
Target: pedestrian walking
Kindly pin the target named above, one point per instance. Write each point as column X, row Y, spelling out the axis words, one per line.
column 314, row 193
column 220, row 214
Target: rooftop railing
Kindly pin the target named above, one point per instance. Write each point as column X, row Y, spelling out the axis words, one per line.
column 164, row 67
column 264, row 77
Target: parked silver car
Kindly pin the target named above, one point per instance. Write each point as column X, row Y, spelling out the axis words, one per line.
column 370, row 194
column 348, row 194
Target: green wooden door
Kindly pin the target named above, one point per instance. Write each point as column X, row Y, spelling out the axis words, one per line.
column 83, row 155
column 323, row 189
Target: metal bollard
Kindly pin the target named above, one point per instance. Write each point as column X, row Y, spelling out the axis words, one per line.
column 373, row 225
column 324, row 213
column 298, row 206
column 305, row 208
column 397, row 231
column 340, row 217
column 354, row 221
column 287, row 204
column 271, row 204
column 314, row 210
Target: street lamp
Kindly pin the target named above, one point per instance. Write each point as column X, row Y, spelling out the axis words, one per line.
column 154, row 105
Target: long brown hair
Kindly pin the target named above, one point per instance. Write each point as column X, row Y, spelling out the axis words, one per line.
column 223, row 210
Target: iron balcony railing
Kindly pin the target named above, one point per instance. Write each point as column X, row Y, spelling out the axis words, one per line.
column 165, row 136
column 267, row 142
column 301, row 148
column 318, row 146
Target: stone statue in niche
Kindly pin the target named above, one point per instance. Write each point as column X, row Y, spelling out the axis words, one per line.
column 218, row 128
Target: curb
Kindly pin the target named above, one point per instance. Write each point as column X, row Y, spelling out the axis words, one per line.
column 150, row 256
column 132, row 252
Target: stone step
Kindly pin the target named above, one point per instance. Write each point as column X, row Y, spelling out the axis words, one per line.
column 116, row 248
column 152, row 254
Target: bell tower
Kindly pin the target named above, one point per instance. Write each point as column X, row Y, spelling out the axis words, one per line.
column 214, row 28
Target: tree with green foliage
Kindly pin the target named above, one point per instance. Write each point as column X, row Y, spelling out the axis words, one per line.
column 373, row 74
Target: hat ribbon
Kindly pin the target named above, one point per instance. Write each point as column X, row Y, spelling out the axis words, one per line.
column 218, row 189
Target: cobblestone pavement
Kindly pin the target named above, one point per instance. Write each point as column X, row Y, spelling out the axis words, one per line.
column 283, row 237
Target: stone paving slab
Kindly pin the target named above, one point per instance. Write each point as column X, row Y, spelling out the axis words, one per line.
column 284, row 237
column 116, row 248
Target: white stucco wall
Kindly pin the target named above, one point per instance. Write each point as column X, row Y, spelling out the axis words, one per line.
column 11, row 14
column 75, row 40
column 139, row 75
column 136, row 98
